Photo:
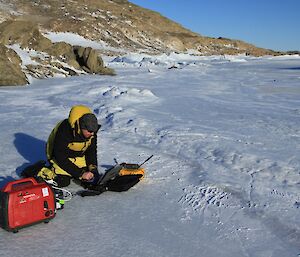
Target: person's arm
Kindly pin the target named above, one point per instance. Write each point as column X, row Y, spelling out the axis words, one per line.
column 91, row 156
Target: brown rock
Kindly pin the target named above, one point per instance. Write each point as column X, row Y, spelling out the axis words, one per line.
column 61, row 49
column 58, row 56
column 24, row 33
column 90, row 61
column 11, row 73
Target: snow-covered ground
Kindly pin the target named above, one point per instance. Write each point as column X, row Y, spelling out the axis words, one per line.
column 225, row 176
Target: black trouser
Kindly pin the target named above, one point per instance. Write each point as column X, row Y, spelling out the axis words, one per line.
column 62, row 180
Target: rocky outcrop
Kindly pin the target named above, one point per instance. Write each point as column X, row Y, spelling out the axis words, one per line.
column 58, row 58
column 25, row 33
column 11, row 73
column 89, row 60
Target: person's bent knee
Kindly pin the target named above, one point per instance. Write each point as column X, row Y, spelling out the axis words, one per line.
column 62, row 181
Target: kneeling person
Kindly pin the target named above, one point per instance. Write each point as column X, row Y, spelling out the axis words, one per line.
column 72, row 148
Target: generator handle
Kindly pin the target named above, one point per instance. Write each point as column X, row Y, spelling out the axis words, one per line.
column 10, row 186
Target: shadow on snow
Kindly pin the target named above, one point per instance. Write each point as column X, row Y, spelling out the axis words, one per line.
column 31, row 148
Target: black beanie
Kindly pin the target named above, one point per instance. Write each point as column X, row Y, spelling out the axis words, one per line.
column 89, row 122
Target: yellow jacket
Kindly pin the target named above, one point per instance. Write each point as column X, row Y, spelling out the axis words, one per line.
column 69, row 152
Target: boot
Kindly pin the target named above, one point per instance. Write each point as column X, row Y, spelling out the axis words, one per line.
column 33, row 170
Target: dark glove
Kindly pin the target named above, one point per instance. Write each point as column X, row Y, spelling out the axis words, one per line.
column 95, row 171
column 93, row 168
column 97, row 178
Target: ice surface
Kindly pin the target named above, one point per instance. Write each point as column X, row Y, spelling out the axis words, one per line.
column 224, row 179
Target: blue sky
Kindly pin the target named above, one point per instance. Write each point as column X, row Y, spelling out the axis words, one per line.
column 272, row 24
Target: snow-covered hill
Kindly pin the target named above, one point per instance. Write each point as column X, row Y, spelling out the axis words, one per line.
column 224, row 179
column 120, row 24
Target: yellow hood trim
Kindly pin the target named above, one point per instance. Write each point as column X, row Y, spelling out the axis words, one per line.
column 76, row 113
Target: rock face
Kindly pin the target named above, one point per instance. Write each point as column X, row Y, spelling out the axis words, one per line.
column 88, row 59
column 11, row 73
column 62, row 57
column 25, row 33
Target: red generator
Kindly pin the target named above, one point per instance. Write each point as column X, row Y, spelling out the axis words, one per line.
column 26, row 202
